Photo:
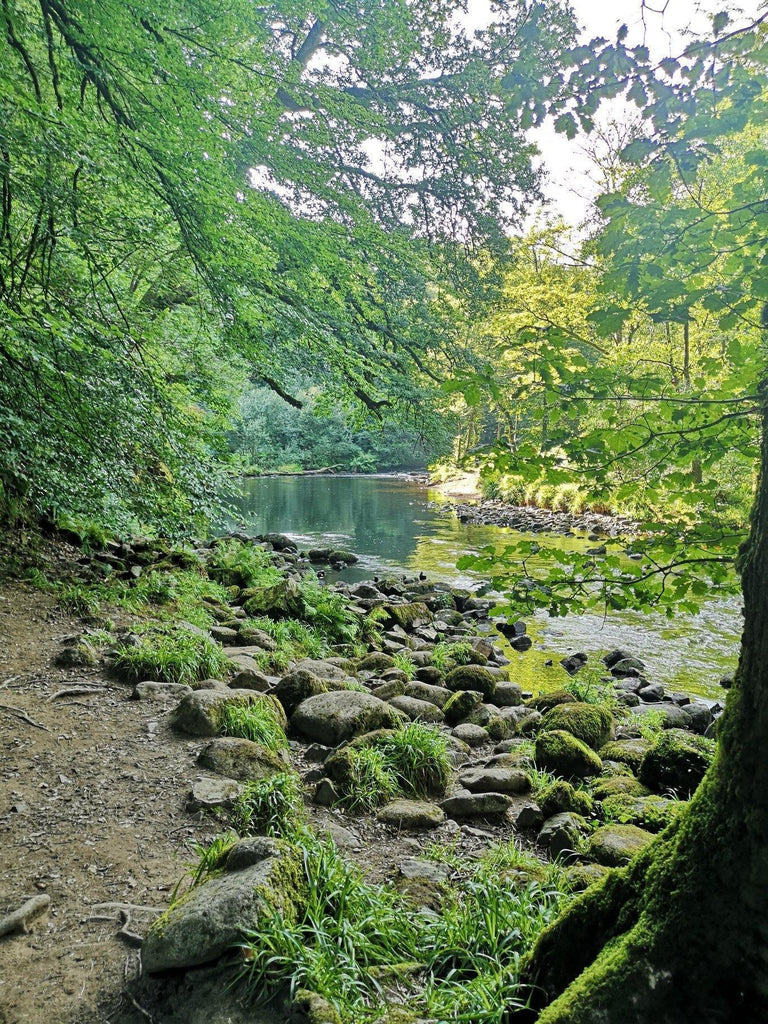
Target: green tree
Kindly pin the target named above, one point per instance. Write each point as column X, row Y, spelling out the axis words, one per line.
column 191, row 190
column 680, row 934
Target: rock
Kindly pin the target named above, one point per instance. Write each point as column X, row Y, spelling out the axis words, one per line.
column 530, row 816
column 652, row 693
column 408, row 616
column 474, row 735
column 331, row 718
column 431, row 871
column 367, row 591
column 652, row 813
column 471, row 805
column 375, row 663
column 628, row 667
column 437, row 695
column 213, row 793
column 678, row 761
column 699, row 716
column 603, row 788
column 389, row 689
column 242, row 759
column 151, row 690
column 574, row 663
column 296, row 687
column 615, row 656
column 670, row 715
column 560, row 752
column 343, row 838
column 614, row 845
column 257, row 638
column 81, row 655
column 561, row 834
column 213, row 917
column 481, row 714
column 418, row 710
column 544, row 701
column 495, row 780
column 411, row 814
column 248, row 679
column 630, row 752
column 326, row 794
column 279, row 541
column 590, row 723
column 521, row 643
column 430, row 675
column 471, row 677
column 283, row 600
column 246, row 852
column 325, row 669
column 581, row 876
column 223, row 634
column 309, row 1007
column 507, row 695
column 200, row 713
column 461, row 705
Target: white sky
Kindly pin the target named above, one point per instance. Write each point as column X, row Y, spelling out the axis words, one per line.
column 665, row 34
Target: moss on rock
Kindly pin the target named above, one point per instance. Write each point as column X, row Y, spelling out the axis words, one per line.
column 471, row 677
column 590, row 723
column 562, row 796
column 629, row 752
column 461, row 705
column 615, row 845
column 296, row 687
column 560, row 752
column 545, row 701
column 677, row 762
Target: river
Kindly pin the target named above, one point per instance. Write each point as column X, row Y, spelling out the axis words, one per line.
column 397, row 524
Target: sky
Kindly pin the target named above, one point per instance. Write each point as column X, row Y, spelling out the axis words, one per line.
column 665, row 29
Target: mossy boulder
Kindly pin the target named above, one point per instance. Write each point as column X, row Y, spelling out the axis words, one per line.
column 201, row 713
column 618, row 784
column 296, row 687
column 652, row 813
column 580, row 876
column 630, row 752
column 407, row 616
column 590, row 723
column 472, row 677
column 212, row 918
column 677, row 761
column 334, row 717
column 460, row 706
column 242, row 759
column 615, row 845
column 311, row 1008
column 545, row 701
column 561, row 796
column 562, row 834
column 437, row 695
column 284, row 600
column 375, row 663
column 418, row 710
column 563, row 754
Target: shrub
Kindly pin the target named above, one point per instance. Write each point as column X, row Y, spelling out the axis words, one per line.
column 234, row 563
column 404, row 662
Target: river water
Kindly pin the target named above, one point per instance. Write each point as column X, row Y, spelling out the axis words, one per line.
column 396, row 524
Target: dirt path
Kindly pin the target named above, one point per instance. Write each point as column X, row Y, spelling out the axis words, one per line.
column 91, row 812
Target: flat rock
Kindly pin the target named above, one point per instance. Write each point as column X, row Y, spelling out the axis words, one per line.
column 411, row 814
column 334, row 717
column 413, row 867
column 418, row 710
column 322, row 669
column 437, row 695
column 250, row 679
column 213, row 793
column 474, row 735
column 495, row 780
column 151, row 690
column 470, row 805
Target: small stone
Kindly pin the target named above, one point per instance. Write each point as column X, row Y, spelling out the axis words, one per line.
column 326, row 794
column 529, row 816
column 474, row 735
column 213, row 793
column 151, row 690
column 470, row 805
column 495, row 780
column 561, row 833
column 411, row 814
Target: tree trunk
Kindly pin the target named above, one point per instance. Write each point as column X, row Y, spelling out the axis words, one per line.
column 681, row 934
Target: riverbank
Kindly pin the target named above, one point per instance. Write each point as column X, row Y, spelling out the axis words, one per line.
column 120, row 768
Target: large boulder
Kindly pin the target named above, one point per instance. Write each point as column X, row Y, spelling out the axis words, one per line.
column 461, row 705
column 284, row 600
column 560, row 752
column 200, row 713
column 629, row 752
column 296, row 687
column 678, row 762
column 237, row 758
column 332, row 718
column 437, row 695
column 590, row 723
column 207, row 922
column 418, row 710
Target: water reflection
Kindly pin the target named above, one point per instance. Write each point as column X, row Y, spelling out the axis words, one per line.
column 396, row 524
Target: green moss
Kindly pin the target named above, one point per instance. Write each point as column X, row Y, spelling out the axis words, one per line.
column 460, row 705
column 677, row 762
column 404, row 615
column 296, row 687
column 590, row 723
column 545, row 701
column 311, row 1008
column 563, row 754
column 376, row 663
column 653, row 813
column 628, row 752
column 614, row 845
column 620, row 784
column 561, row 796
column 471, row 677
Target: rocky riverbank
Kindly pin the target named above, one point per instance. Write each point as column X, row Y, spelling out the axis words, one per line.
column 530, row 519
column 384, row 715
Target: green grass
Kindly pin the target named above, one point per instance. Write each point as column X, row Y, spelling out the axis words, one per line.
column 404, row 662
column 352, row 938
column 256, row 722
column 171, row 654
column 234, row 563
column 371, row 780
column 269, row 807
column 449, row 653
column 209, row 860
column 592, row 686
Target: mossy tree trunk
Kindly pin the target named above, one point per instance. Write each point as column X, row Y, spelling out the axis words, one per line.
column 682, row 933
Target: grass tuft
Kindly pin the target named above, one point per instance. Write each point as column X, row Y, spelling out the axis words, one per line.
column 269, row 807
column 255, row 722
column 171, row 655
